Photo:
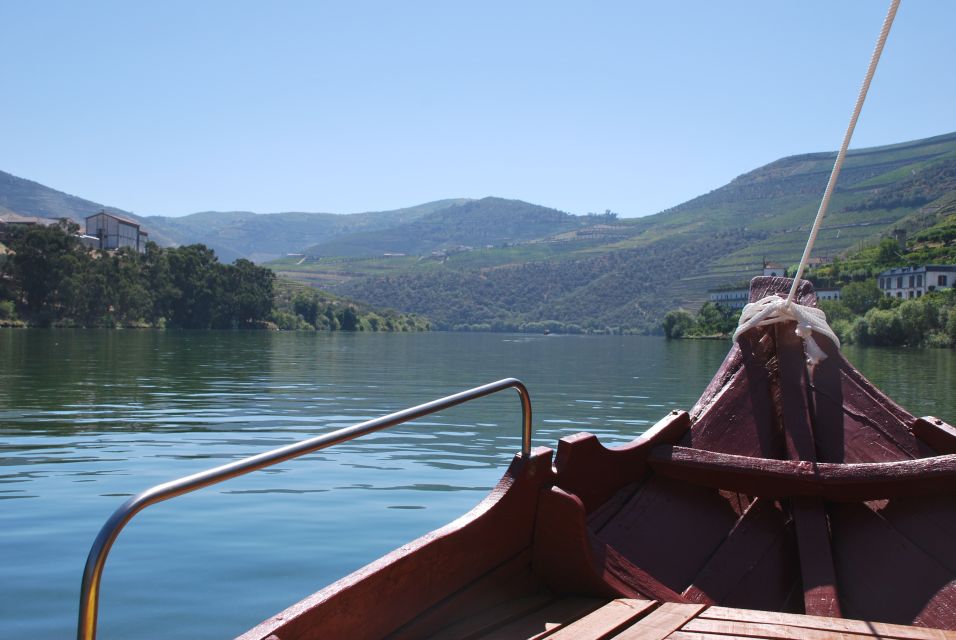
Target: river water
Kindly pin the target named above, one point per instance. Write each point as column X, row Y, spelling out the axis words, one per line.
column 88, row 418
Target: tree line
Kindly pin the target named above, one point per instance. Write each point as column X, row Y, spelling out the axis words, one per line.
column 48, row 277
column 52, row 278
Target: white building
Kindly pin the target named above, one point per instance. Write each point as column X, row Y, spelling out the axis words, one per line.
column 913, row 282
column 115, row 232
column 731, row 298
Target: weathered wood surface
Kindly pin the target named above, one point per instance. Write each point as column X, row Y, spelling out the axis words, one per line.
column 511, row 587
column 606, row 621
column 662, row 622
column 842, row 625
column 579, row 455
column 771, row 478
column 542, row 623
column 756, row 566
column 627, row 619
column 936, row 434
column 820, row 595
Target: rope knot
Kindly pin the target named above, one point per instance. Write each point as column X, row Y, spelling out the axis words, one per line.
column 773, row 309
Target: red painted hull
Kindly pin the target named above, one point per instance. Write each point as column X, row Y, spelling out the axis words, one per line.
column 784, row 489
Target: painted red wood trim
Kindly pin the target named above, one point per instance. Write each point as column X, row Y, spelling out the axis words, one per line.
column 593, row 472
column 935, row 433
column 572, row 561
column 820, row 595
column 770, row 478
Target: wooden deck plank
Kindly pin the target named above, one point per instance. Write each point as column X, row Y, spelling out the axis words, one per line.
column 510, row 582
column 604, row 622
column 543, row 622
column 862, row 627
column 767, row 631
column 493, row 618
column 659, row 624
column 776, row 631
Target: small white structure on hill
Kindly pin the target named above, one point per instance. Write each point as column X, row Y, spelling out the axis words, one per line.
column 115, row 232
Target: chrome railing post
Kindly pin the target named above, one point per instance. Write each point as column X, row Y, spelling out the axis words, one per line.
column 95, row 562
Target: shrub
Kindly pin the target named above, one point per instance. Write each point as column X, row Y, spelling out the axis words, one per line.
column 881, row 327
column 677, row 324
column 8, row 310
column 860, row 297
column 843, row 329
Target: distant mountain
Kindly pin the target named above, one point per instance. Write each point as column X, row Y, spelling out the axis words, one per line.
column 267, row 236
column 597, row 272
column 29, row 198
column 488, row 222
column 232, row 234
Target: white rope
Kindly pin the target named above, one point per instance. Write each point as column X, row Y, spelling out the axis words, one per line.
column 874, row 59
column 774, row 309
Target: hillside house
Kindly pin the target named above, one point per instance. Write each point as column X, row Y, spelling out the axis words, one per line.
column 115, row 232
column 913, row 282
column 730, row 298
column 10, row 220
column 774, row 269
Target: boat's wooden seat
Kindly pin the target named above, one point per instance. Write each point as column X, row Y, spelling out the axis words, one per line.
column 632, row 619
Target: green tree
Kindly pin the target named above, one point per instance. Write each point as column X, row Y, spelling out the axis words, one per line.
column 307, row 306
column 860, row 297
column 918, row 317
column 716, row 319
column 888, row 252
column 951, row 326
column 677, row 324
column 348, row 319
column 880, row 327
column 195, row 276
column 252, row 287
column 44, row 259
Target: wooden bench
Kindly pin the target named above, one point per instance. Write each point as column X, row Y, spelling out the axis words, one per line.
column 628, row 619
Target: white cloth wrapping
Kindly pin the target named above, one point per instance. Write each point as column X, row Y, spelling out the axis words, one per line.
column 774, row 309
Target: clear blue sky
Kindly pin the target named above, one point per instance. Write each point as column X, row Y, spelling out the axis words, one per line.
column 175, row 107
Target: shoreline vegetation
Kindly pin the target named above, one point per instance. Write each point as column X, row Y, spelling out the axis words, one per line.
column 864, row 315
column 48, row 278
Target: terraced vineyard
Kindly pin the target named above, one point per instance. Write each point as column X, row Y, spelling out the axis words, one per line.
column 600, row 273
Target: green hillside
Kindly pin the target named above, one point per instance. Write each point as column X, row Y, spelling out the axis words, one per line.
column 484, row 223
column 597, row 273
column 267, row 236
column 29, row 198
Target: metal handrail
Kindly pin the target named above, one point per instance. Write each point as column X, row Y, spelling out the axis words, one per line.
column 93, row 573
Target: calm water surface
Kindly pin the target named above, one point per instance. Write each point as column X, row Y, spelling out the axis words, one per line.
column 88, row 418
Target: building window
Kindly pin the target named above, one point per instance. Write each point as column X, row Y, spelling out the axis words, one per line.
column 941, row 281
column 919, row 281
column 899, row 282
column 899, row 294
column 911, row 294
